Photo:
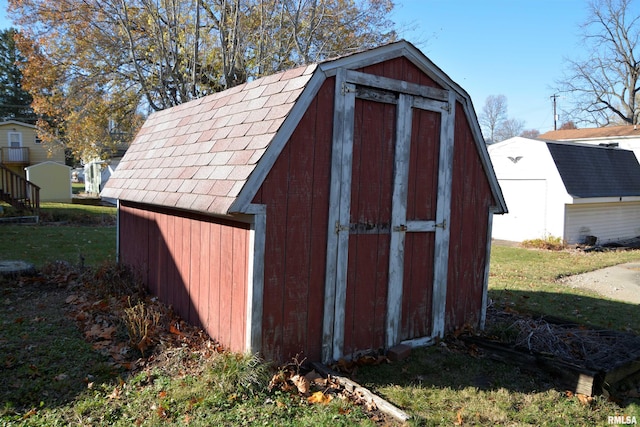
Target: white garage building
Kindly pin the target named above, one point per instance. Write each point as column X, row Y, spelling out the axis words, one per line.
column 567, row 190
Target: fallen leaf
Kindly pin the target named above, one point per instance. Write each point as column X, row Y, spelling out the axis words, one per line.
column 162, row 412
column 98, row 331
column 301, row 383
column 29, row 414
column 319, row 397
column 174, row 330
column 115, row 394
column 459, row 420
column 101, row 345
column 584, row 399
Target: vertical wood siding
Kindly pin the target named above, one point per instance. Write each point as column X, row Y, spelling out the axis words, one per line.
column 421, row 205
column 371, row 191
column 195, row 263
column 401, row 69
column 296, row 192
column 470, row 202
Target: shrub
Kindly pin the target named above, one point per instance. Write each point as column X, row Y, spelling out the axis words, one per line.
column 142, row 323
column 550, row 243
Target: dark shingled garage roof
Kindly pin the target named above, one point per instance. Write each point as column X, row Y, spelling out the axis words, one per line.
column 593, row 171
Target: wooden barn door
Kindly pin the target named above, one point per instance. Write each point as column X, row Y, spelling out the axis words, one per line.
column 389, row 208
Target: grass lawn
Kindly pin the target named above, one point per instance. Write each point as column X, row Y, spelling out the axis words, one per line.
column 77, row 187
column 50, row 375
column 526, row 280
column 449, row 385
column 79, row 231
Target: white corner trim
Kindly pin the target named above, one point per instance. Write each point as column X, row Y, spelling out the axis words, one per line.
column 255, row 278
column 487, row 265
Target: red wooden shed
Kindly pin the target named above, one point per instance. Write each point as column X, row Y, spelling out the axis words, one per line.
column 336, row 208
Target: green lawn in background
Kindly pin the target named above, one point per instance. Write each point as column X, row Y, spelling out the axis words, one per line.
column 525, row 280
column 66, row 232
column 42, row 244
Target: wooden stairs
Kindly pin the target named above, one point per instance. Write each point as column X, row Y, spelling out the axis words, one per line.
column 19, row 193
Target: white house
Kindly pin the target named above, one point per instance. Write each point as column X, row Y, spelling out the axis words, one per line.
column 566, row 190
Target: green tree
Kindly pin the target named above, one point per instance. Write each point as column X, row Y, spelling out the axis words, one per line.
column 15, row 102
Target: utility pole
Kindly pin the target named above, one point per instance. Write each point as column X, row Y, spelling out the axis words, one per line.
column 555, row 115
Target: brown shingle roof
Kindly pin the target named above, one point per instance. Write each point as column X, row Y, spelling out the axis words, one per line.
column 603, row 132
column 198, row 155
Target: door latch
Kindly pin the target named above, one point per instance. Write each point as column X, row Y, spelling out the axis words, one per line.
column 400, row 227
column 340, row 227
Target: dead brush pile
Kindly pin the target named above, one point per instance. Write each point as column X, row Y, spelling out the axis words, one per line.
column 576, row 344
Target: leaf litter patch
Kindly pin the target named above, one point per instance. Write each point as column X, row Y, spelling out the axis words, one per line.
column 135, row 332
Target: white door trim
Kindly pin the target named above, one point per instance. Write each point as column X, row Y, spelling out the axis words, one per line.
column 340, row 201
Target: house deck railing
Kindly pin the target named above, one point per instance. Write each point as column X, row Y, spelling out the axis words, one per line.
column 14, row 155
column 18, row 192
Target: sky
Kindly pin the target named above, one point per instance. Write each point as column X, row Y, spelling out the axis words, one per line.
column 515, row 48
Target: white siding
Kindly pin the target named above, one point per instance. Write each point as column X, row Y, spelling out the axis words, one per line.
column 532, row 189
column 527, row 217
column 607, row 221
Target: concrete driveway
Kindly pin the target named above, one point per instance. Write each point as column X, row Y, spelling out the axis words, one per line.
column 620, row 282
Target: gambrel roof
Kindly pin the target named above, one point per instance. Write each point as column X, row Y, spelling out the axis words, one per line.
column 592, row 171
column 198, row 155
column 210, row 155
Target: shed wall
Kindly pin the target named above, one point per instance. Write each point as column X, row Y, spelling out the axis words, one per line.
column 53, row 179
column 400, row 69
column 470, row 203
column 196, row 263
column 296, row 193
